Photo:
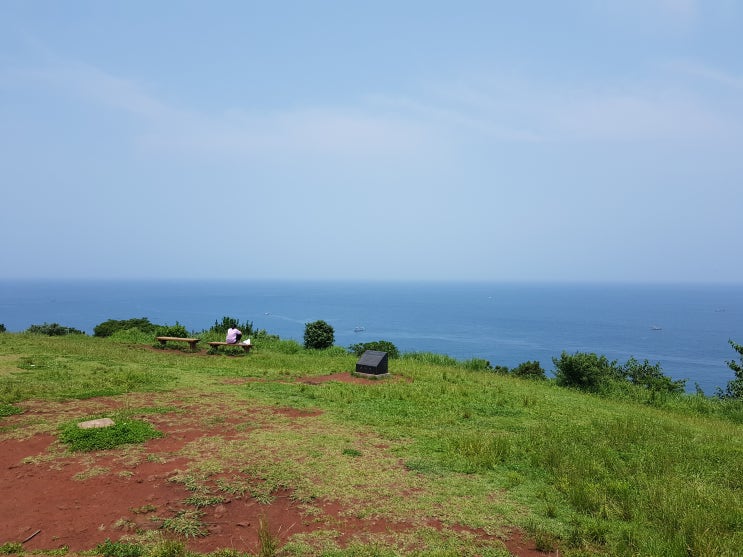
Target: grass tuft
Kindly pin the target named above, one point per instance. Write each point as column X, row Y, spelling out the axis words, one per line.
column 186, row 523
column 123, row 432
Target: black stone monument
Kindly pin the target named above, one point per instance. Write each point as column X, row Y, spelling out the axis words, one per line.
column 372, row 362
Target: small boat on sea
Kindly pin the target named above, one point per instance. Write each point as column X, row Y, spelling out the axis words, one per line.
column 656, row 328
column 358, row 329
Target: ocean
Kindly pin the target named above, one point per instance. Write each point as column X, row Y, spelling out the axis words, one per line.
column 685, row 328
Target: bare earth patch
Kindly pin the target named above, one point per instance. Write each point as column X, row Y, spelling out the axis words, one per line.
column 53, row 498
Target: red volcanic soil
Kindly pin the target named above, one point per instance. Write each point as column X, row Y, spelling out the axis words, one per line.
column 53, row 498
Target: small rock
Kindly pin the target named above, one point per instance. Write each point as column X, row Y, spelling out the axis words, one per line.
column 101, row 422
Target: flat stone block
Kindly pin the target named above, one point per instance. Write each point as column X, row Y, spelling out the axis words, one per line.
column 101, row 422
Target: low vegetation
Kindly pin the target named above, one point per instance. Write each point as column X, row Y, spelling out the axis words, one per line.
column 124, row 431
column 604, row 459
column 735, row 386
column 379, row 345
column 53, row 330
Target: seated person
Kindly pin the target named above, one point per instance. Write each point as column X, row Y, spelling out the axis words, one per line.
column 233, row 334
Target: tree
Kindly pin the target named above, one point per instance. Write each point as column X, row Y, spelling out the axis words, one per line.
column 735, row 386
column 318, row 335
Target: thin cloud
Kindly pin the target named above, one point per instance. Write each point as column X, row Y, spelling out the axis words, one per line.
column 638, row 117
column 358, row 131
column 675, row 14
column 730, row 80
column 531, row 110
column 91, row 84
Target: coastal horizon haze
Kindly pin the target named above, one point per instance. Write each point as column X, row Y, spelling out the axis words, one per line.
column 577, row 141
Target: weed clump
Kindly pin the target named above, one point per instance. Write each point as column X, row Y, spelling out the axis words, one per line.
column 119, row 549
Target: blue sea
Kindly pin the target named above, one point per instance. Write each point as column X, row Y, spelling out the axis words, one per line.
column 683, row 327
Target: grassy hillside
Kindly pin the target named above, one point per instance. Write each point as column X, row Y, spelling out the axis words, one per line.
column 471, row 450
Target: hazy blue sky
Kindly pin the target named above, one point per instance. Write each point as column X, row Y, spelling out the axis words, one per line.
column 496, row 140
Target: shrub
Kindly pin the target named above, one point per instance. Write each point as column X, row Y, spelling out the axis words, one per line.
column 53, row 330
column 176, row 330
column 501, row 369
column 529, row 370
column 228, row 322
column 2, row 328
column 735, row 386
column 107, row 328
column 651, row 377
column 380, row 345
column 318, row 335
column 476, row 364
column 589, row 372
column 585, row 371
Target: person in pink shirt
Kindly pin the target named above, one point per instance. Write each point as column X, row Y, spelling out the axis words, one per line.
column 233, row 334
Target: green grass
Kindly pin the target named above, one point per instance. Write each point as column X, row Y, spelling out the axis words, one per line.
column 125, row 431
column 621, row 475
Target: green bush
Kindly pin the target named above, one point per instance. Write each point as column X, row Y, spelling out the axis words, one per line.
column 529, row 370
column 651, row 377
column 476, row 364
column 380, row 345
column 735, row 386
column 53, row 330
column 176, row 330
column 231, row 322
column 2, row 328
column 585, row 371
column 589, row 372
column 318, row 335
column 107, row 328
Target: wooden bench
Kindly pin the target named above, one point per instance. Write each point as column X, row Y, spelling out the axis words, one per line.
column 191, row 341
column 245, row 347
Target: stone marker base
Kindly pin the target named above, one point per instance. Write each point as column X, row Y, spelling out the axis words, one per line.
column 370, row 375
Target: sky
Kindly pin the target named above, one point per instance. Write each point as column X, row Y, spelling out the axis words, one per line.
column 539, row 141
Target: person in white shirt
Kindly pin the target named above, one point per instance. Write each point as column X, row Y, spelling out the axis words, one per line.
column 233, row 334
